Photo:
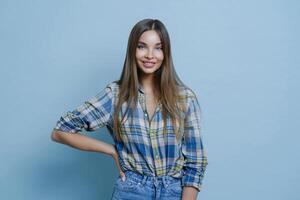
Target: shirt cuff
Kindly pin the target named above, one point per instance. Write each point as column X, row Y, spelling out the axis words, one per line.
column 193, row 178
column 64, row 123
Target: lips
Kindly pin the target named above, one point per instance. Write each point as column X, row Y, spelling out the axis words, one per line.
column 148, row 63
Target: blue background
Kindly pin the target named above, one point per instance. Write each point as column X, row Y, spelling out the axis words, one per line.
column 240, row 57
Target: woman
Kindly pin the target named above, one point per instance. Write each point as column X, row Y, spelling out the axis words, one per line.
column 153, row 118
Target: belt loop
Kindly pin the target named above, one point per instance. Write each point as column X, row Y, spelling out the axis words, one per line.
column 144, row 179
column 155, row 182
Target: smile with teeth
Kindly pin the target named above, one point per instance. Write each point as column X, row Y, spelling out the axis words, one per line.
column 148, row 64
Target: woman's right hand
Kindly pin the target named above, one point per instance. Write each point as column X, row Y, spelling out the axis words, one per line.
column 116, row 158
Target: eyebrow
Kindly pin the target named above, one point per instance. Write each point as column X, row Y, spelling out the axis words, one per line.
column 146, row 44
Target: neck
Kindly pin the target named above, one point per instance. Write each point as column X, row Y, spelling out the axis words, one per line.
column 148, row 83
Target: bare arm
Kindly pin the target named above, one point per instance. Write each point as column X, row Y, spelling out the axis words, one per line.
column 82, row 142
column 189, row 193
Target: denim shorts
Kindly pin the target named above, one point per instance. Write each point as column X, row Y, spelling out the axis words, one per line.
column 137, row 186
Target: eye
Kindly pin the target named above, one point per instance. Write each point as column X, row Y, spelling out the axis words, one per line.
column 140, row 46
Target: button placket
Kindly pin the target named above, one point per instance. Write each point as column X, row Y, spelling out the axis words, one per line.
column 155, row 150
column 152, row 134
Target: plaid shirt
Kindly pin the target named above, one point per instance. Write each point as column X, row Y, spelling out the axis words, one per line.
column 144, row 147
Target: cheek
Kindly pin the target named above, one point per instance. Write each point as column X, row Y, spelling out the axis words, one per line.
column 138, row 55
column 160, row 56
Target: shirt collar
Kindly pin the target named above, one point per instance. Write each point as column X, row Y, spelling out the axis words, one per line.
column 141, row 89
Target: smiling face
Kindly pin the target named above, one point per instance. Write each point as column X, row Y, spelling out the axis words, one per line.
column 149, row 54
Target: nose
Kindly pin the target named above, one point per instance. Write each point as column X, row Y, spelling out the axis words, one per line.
column 149, row 54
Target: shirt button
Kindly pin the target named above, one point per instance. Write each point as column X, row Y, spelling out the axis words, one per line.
column 156, row 156
column 146, row 114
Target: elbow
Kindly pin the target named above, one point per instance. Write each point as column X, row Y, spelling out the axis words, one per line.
column 55, row 136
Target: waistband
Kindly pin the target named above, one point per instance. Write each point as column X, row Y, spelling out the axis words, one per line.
column 156, row 180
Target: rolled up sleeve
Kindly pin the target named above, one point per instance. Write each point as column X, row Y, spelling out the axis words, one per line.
column 192, row 147
column 94, row 113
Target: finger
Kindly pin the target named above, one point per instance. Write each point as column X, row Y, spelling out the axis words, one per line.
column 123, row 177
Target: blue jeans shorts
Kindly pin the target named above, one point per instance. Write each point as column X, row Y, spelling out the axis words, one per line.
column 137, row 186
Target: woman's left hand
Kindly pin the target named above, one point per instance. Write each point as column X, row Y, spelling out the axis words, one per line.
column 116, row 158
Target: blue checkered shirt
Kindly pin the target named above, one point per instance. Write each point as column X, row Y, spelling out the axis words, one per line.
column 144, row 147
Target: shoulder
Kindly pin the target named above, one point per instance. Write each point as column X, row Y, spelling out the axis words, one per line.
column 187, row 98
column 108, row 91
column 186, row 92
column 113, row 87
column 112, row 90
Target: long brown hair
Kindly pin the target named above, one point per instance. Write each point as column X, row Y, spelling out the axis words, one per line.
column 166, row 78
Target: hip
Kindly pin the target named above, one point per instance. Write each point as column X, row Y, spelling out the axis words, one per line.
column 147, row 187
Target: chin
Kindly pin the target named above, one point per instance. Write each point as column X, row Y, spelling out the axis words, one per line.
column 148, row 70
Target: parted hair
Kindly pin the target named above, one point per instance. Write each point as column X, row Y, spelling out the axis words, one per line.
column 166, row 78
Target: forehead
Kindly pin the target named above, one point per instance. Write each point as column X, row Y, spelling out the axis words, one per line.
column 150, row 37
